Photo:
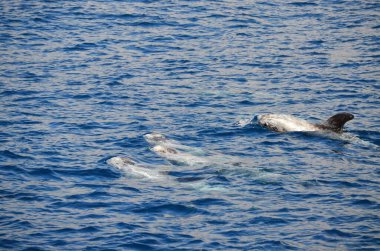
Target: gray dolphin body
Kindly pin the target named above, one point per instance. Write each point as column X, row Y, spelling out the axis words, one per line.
column 288, row 123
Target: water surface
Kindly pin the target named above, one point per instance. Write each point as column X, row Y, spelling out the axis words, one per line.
column 83, row 81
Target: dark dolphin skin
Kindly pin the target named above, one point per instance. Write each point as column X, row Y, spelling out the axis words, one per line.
column 336, row 122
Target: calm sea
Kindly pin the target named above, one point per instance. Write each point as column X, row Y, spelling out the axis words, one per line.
column 84, row 81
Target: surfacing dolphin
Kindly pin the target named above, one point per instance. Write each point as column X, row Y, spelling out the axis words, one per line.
column 288, row 123
column 134, row 168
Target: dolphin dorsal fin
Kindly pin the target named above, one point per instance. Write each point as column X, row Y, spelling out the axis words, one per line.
column 337, row 121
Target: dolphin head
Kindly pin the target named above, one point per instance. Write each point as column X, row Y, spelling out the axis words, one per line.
column 155, row 138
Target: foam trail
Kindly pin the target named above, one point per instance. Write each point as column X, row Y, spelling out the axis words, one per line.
column 353, row 139
column 345, row 136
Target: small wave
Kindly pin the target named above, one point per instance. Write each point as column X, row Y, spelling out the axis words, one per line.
column 366, row 203
column 338, row 233
column 303, row 4
column 172, row 209
column 266, row 220
column 275, row 245
column 81, row 47
column 126, row 16
column 22, row 224
column 88, row 173
column 45, row 173
column 9, row 243
column 93, row 195
column 210, row 202
column 80, row 205
column 12, row 155
column 22, row 196
column 136, row 246
column 67, row 230
column 19, row 93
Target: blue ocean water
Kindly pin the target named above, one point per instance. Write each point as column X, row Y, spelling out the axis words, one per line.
column 84, row 81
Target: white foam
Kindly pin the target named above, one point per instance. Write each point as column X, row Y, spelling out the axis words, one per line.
column 243, row 122
column 347, row 137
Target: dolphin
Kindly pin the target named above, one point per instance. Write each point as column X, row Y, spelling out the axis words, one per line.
column 289, row 123
column 174, row 151
column 133, row 168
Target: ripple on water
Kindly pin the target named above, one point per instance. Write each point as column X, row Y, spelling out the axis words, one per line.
column 82, row 82
column 170, row 209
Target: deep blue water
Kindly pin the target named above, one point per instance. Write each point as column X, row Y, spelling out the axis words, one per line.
column 84, row 81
